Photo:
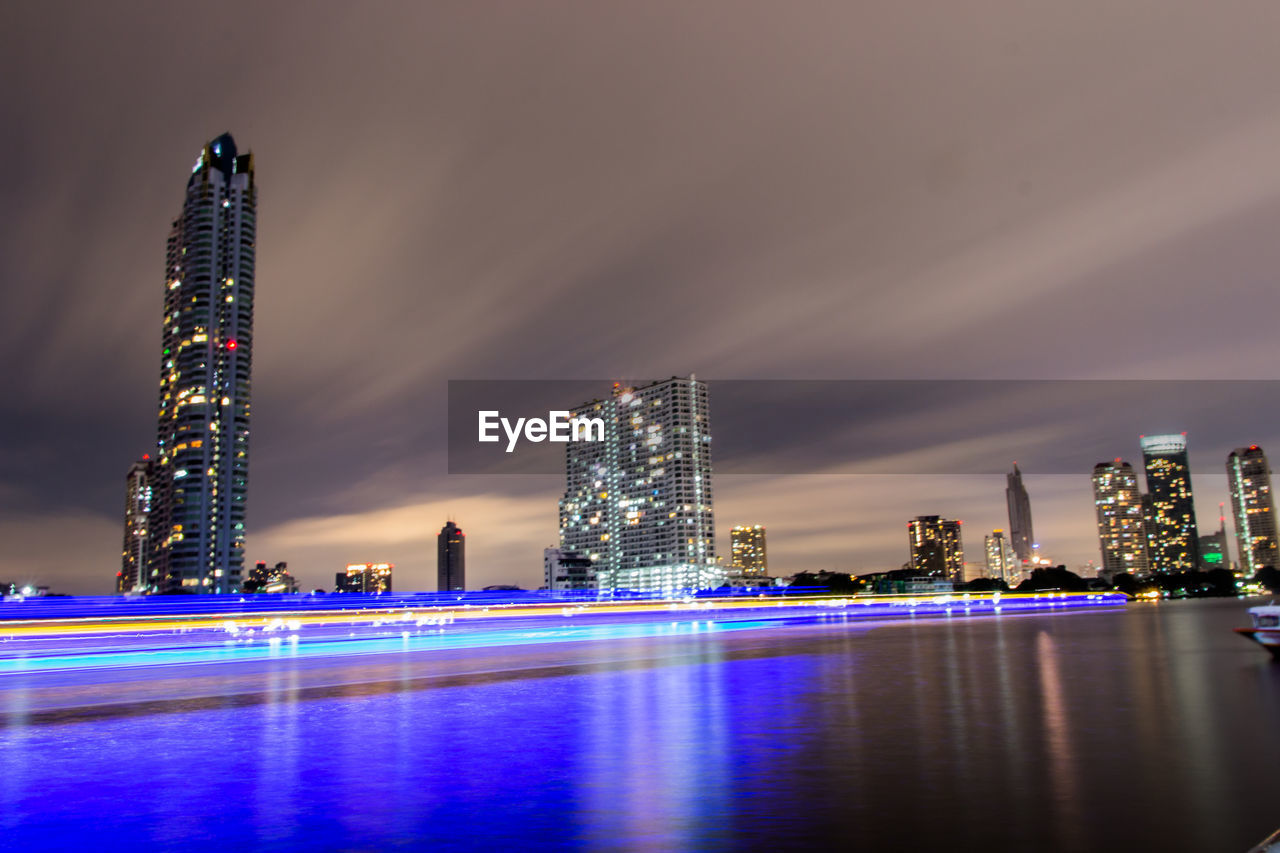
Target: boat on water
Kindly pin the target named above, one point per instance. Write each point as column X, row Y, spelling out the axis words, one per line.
column 1266, row 628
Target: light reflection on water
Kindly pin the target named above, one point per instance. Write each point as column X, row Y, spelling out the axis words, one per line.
column 1152, row 728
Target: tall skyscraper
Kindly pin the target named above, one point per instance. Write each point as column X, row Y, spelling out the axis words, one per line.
column 639, row 503
column 1021, row 537
column 201, row 471
column 137, row 516
column 750, row 557
column 936, row 549
column 1121, row 532
column 1000, row 558
column 1175, row 541
column 1253, row 505
column 451, row 559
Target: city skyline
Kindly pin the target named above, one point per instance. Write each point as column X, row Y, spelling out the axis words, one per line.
column 742, row 202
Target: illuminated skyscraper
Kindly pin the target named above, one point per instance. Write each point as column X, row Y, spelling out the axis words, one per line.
column 639, row 502
column 1174, row 543
column 747, row 544
column 201, row 474
column 137, row 516
column 936, row 549
column 1021, row 537
column 1253, row 505
column 1000, row 558
column 451, row 559
column 1121, row 532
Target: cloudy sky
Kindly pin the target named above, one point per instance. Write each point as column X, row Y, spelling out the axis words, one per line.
column 977, row 190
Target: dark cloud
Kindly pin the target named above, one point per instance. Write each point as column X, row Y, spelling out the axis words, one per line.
column 994, row 190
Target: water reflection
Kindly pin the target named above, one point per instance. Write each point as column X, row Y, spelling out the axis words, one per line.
column 1147, row 729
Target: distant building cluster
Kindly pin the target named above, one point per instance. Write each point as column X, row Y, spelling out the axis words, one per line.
column 273, row 580
column 1155, row 532
column 364, row 578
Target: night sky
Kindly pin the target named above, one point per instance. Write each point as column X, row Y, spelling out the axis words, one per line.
column 577, row 191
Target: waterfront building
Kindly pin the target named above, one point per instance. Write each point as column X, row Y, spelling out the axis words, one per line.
column 564, row 571
column 273, row 580
column 451, row 559
column 936, row 547
column 199, row 482
column 1174, row 539
column 1001, row 558
column 1021, row 536
column 748, row 552
column 1214, row 552
column 364, row 577
column 639, row 502
column 132, row 576
column 1253, row 508
column 1121, row 531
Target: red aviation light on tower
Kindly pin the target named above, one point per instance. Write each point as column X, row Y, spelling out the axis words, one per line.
column 231, row 344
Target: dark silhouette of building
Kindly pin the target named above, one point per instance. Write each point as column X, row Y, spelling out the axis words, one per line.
column 451, row 559
column 1021, row 537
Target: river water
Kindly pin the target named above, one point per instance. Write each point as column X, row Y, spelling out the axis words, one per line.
column 1150, row 727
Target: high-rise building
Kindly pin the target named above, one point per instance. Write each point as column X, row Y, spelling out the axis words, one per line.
column 1021, row 537
column 1175, row 541
column 750, row 557
column 364, row 577
column 639, row 502
column 1000, row 558
column 936, row 549
column 451, row 559
column 1252, row 504
column 567, row 571
column 137, row 515
column 201, row 472
column 1121, row 532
